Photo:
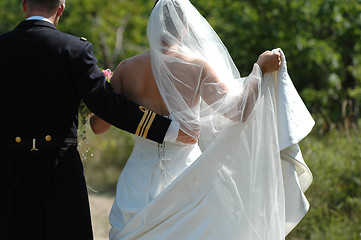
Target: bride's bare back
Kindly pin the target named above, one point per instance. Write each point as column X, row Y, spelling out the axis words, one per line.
column 134, row 79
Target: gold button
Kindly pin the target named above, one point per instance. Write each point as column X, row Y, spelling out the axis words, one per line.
column 48, row 138
column 18, row 139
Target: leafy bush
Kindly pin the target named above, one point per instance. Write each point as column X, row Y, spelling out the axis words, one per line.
column 334, row 195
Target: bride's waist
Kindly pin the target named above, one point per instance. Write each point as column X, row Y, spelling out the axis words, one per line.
column 153, row 149
column 146, row 143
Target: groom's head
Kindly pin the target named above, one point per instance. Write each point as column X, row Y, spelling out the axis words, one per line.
column 45, row 5
column 51, row 9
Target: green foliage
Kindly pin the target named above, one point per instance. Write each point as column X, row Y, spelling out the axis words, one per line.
column 334, row 194
column 11, row 14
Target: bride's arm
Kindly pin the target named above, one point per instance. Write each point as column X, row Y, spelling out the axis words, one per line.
column 233, row 102
column 237, row 105
column 98, row 125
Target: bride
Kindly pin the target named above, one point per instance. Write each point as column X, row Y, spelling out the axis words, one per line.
column 230, row 185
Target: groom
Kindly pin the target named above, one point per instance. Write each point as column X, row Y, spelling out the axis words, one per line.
column 45, row 75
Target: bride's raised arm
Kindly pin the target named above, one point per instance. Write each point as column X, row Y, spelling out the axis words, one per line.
column 236, row 100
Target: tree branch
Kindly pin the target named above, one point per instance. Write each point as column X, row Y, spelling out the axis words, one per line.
column 119, row 38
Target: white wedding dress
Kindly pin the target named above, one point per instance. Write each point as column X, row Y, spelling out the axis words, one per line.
column 230, row 191
column 248, row 178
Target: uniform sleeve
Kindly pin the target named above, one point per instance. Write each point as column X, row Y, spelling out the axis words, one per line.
column 100, row 98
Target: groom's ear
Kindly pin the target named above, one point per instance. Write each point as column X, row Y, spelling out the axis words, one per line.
column 59, row 12
column 25, row 5
column 60, row 9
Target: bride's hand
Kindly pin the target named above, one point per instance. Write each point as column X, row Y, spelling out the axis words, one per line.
column 185, row 138
column 269, row 61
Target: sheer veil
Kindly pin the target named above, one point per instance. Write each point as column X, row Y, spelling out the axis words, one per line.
column 196, row 76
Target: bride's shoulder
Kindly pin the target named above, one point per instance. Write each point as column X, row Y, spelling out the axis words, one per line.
column 190, row 59
column 129, row 74
column 134, row 64
column 134, row 61
column 199, row 63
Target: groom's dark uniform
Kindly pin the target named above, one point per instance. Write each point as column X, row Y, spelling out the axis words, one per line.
column 45, row 74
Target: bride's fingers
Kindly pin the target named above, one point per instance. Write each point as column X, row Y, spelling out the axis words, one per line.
column 279, row 60
column 185, row 138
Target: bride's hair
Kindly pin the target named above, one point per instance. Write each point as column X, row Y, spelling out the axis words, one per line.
column 171, row 28
column 169, row 25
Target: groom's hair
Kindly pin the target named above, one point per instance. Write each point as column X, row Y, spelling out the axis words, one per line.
column 46, row 5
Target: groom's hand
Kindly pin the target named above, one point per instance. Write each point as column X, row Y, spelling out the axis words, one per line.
column 185, row 138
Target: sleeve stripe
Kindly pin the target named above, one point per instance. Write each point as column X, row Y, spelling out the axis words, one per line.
column 145, row 124
column 149, row 124
column 141, row 122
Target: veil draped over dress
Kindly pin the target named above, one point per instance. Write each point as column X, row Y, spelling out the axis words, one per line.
column 248, row 183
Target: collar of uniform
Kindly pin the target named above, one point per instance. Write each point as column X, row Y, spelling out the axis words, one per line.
column 39, row 18
column 36, row 22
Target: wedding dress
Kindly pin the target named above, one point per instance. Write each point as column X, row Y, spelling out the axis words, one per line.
column 247, row 177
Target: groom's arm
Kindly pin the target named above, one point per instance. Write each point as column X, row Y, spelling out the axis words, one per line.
column 114, row 108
